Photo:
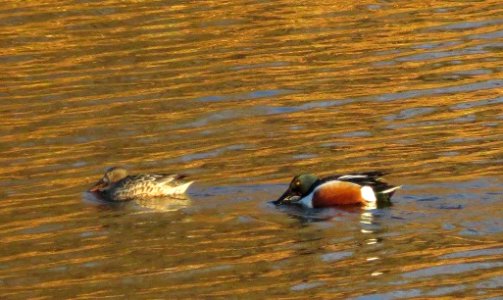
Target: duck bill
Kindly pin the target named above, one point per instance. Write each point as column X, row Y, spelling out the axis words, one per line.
column 98, row 186
column 286, row 197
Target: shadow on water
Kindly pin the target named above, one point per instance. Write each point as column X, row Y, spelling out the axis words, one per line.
column 156, row 204
column 307, row 215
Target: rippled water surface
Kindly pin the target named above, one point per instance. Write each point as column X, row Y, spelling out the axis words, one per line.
column 242, row 95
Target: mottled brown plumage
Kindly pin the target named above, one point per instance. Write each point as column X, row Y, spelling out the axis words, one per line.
column 117, row 185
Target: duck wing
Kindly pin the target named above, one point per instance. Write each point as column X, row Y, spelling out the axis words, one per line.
column 148, row 186
column 372, row 179
column 172, row 184
column 174, row 179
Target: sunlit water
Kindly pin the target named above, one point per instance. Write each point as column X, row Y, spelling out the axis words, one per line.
column 242, row 95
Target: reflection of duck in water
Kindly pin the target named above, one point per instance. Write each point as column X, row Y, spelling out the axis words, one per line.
column 340, row 190
column 117, row 185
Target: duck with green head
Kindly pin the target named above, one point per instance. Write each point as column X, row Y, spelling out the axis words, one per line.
column 339, row 190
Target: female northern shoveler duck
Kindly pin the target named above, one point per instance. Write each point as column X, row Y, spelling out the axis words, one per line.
column 352, row 189
column 117, row 185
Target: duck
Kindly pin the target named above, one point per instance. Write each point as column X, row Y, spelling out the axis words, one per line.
column 357, row 189
column 117, row 185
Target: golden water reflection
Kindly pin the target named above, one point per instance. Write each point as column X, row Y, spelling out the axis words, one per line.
column 242, row 95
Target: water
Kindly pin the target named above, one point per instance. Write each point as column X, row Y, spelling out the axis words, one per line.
column 241, row 96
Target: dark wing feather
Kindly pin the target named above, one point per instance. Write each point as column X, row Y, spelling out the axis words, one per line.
column 175, row 176
column 371, row 179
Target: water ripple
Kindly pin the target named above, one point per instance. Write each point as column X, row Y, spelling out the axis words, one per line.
column 241, row 95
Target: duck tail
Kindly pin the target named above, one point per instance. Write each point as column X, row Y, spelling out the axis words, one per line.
column 391, row 190
column 385, row 195
column 181, row 189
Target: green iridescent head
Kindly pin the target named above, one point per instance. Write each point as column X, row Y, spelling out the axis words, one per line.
column 299, row 187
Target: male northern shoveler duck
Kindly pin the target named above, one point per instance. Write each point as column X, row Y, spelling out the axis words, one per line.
column 351, row 189
column 117, row 185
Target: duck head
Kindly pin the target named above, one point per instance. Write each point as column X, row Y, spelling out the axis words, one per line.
column 112, row 175
column 300, row 186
